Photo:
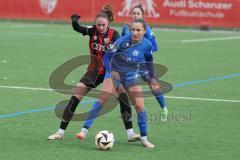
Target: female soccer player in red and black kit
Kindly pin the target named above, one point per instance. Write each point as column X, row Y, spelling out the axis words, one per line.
column 101, row 36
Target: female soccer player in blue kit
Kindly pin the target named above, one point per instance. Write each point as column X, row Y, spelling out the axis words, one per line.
column 138, row 12
column 122, row 64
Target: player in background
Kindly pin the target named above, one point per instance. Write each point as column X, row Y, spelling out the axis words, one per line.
column 122, row 64
column 138, row 12
column 101, row 36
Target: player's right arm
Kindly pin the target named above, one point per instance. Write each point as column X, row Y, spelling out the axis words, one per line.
column 77, row 27
column 118, row 46
column 108, row 56
column 125, row 30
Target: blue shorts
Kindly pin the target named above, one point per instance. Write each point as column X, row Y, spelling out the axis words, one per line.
column 126, row 79
column 130, row 79
column 144, row 73
column 145, row 76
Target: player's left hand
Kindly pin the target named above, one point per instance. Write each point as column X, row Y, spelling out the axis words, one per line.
column 75, row 17
column 154, row 84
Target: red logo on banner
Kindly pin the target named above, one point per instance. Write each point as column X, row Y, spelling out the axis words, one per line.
column 48, row 6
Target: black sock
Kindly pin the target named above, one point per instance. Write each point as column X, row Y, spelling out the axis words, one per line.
column 126, row 112
column 69, row 112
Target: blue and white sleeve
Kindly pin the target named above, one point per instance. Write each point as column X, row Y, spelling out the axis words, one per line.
column 108, row 56
column 125, row 30
column 149, row 62
column 150, row 36
column 154, row 44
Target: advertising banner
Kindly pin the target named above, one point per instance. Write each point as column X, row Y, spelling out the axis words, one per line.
column 215, row 13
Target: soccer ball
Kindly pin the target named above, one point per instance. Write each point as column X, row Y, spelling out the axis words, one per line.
column 104, row 140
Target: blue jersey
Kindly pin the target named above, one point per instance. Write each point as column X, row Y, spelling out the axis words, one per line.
column 148, row 35
column 126, row 58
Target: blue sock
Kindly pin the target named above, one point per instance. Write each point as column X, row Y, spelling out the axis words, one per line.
column 160, row 98
column 92, row 115
column 142, row 123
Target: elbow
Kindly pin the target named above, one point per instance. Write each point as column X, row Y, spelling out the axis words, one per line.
column 75, row 26
column 154, row 48
column 149, row 58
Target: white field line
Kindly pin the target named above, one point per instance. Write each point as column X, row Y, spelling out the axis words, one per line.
column 170, row 97
column 233, row 32
column 34, row 34
column 157, row 29
column 27, row 25
column 39, row 25
column 26, row 88
column 37, row 34
column 210, row 39
column 204, row 99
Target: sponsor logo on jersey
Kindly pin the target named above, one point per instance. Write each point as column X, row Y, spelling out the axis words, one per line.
column 99, row 47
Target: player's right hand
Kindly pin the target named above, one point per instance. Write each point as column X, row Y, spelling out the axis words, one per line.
column 75, row 17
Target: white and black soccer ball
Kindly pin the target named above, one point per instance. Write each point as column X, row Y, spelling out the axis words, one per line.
column 104, row 140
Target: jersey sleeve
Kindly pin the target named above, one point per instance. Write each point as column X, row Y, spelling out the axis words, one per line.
column 109, row 53
column 122, row 42
column 149, row 60
column 108, row 56
column 115, row 37
column 118, row 46
column 150, row 36
column 125, row 30
column 84, row 30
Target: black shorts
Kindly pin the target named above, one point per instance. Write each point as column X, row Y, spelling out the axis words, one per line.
column 92, row 79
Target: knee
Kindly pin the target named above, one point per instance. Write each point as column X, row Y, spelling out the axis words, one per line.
column 78, row 93
column 80, row 90
column 103, row 97
column 78, row 96
column 139, row 107
column 100, row 101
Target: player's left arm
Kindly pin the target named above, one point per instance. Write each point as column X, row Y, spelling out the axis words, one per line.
column 150, row 36
column 149, row 63
column 119, row 45
column 111, row 49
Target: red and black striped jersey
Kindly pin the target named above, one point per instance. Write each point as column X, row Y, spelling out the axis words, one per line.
column 98, row 44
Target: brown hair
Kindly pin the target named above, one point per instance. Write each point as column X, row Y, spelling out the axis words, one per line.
column 106, row 12
column 140, row 7
column 108, row 9
column 142, row 21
